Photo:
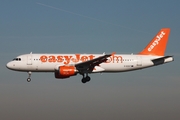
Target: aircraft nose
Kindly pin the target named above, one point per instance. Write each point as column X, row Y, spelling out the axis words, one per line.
column 9, row 65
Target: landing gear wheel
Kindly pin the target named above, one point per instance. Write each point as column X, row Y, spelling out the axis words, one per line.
column 88, row 78
column 28, row 79
column 83, row 80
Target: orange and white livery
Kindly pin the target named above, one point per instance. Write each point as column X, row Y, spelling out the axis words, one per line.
column 67, row 65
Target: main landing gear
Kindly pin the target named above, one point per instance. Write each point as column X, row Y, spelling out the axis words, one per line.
column 85, row 79
column 29, row 77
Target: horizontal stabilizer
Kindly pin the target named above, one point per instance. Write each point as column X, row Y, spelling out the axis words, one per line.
column 162, row 60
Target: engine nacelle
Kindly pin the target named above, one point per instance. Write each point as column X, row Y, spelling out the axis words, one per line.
column 65, row 72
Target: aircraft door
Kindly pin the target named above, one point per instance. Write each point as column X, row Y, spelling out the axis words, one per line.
column 29, row 59
column 139, row 61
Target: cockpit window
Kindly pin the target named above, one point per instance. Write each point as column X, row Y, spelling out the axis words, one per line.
column 17, row 59
column 14, row 59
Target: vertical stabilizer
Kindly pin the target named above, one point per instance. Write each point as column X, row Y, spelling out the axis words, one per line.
column 157, row 45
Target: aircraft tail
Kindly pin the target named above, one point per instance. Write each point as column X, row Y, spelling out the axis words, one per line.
column 157, row 45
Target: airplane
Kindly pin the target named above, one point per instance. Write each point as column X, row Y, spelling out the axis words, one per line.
column 67, row 65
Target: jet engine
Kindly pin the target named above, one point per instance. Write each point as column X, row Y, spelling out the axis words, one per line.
column 65, row 72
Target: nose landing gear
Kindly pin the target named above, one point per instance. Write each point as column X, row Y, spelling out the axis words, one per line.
column 29, row 77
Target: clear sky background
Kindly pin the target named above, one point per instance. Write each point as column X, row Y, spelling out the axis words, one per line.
column 95, row 26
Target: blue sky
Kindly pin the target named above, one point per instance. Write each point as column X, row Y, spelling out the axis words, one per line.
column 96, row 26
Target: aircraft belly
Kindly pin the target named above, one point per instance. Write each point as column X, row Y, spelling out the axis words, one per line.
column 117, row 67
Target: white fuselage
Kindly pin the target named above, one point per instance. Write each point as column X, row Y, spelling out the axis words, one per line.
column 51, row 62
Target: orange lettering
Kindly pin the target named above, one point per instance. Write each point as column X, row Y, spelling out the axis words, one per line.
column 43, row 58
column 76, row 59
column 59, row 58
column 108, row 60
column 84, row 58
column 91, row 57
column 116, row 58
column 67, row 58
column 52, row 59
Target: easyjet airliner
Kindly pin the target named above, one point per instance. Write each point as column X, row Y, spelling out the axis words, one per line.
column 67, row 65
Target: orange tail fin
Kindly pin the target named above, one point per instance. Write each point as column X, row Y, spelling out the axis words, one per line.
column 157, row 46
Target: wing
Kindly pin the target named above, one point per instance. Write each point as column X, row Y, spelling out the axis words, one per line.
column 88, row 66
